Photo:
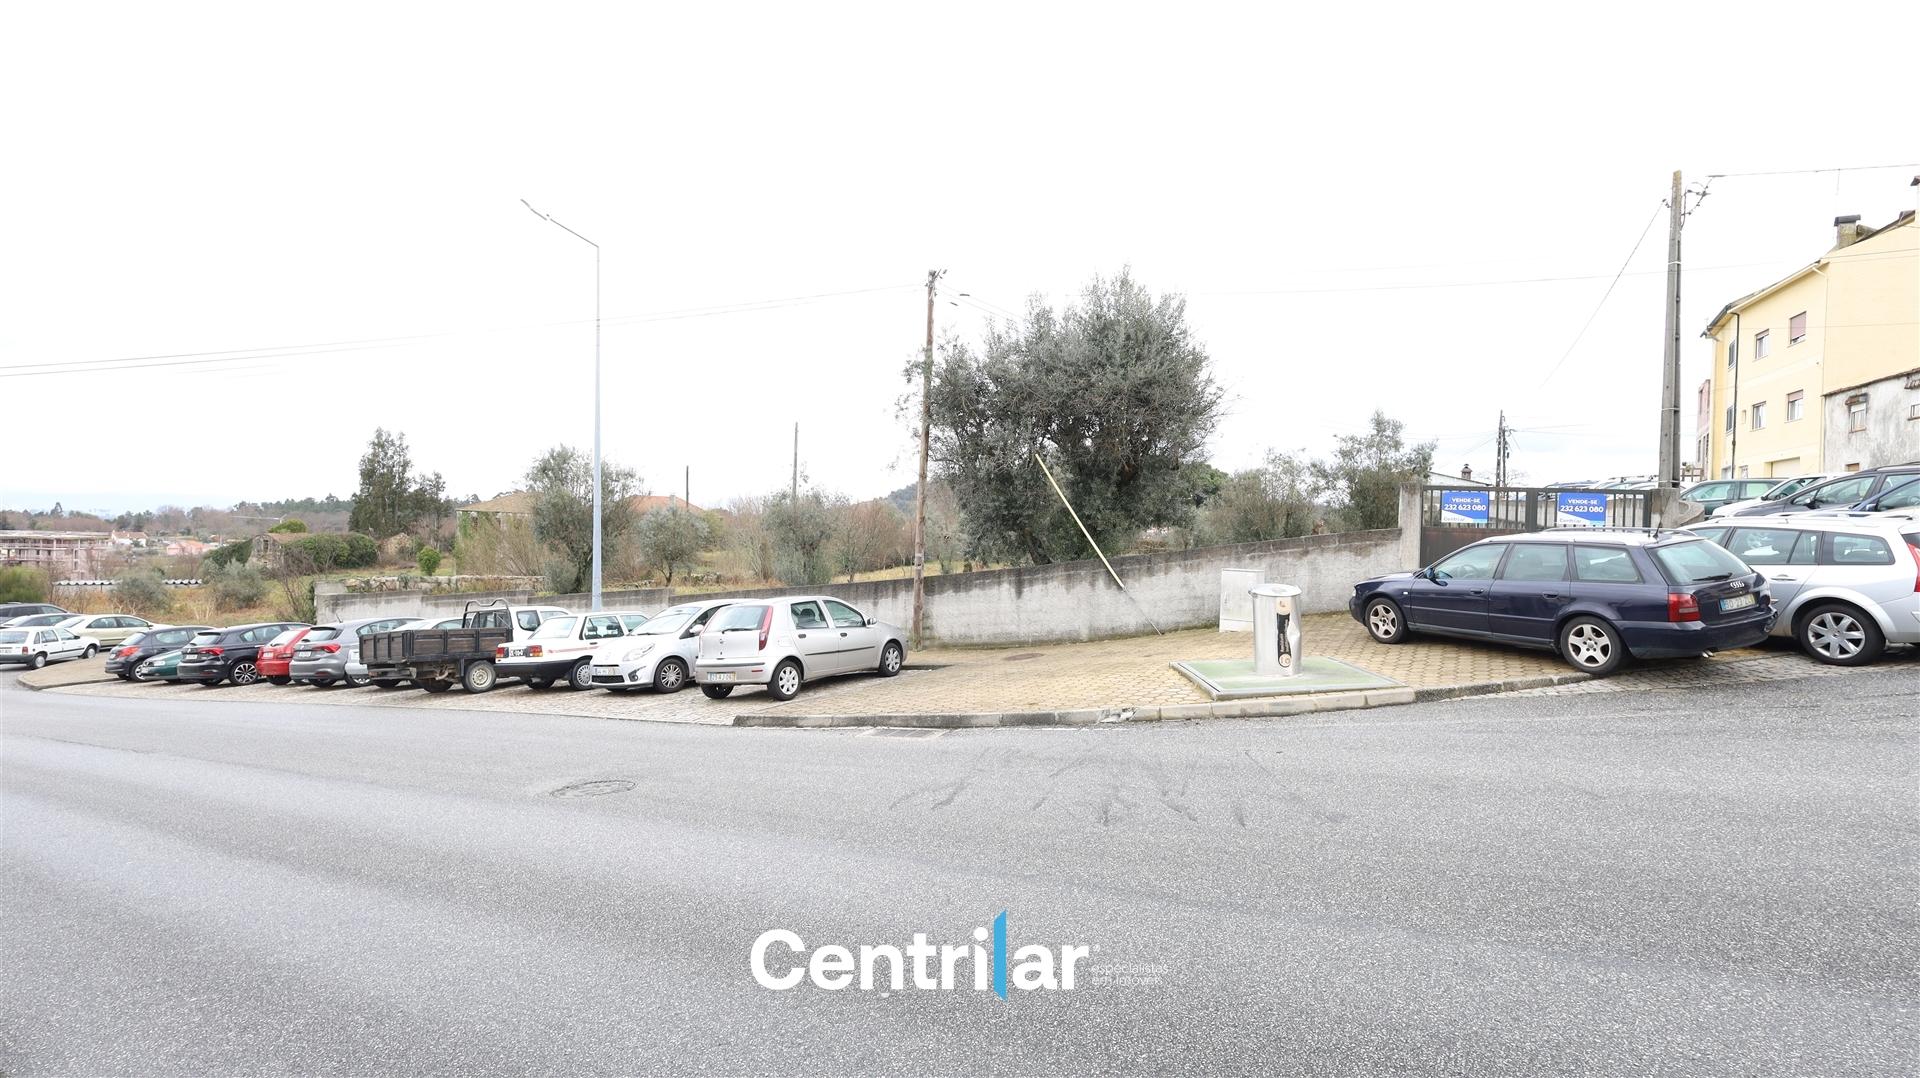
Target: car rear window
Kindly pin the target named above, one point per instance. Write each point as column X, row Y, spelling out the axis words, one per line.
column 1698, row 562
column 554, row 627
column 207, row 637
column 12, row 636
column 320, row 634
column 284, row 638
column 738, row 617
column 173, row 636
column 136, row 638
column 1861, row 550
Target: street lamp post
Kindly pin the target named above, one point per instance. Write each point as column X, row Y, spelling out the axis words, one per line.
column 595, row 602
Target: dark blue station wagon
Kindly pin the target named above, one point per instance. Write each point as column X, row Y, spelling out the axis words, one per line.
column 1594, row 595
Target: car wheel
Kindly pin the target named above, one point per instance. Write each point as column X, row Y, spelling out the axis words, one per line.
column 785, row 682
column 670, row 676
column 1592, row 646
column 90, row 652
column 321, row 683
column 580, row 677
column 37, row 661
column 891, row 659
column 124, row 676
column 358, row 682
column 244, row 673
column 717, row 692
column 435, row 685
column 479, row 676
column 281, row 680
column 539, row 682
column 1840, row 635
column 1385, row 622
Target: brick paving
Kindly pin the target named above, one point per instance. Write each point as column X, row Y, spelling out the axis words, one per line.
column 1131, row 672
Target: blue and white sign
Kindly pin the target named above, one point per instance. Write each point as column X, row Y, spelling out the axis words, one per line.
column 1463, row 507
column 1578, row 510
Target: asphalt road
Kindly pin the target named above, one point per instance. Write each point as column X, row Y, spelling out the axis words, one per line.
column 1703, row 882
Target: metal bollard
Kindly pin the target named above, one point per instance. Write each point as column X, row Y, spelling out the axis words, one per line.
column 1276, row 630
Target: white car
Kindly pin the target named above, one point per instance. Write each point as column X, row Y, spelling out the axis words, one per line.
column 106, row 628
column 36, row 647
column 659, row 653
column 783, row 643
column 1786, row 488
column 1846, row 585
column 564, row 648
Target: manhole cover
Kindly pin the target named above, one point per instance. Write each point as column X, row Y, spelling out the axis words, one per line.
column 594, row 788
column 1022, row 655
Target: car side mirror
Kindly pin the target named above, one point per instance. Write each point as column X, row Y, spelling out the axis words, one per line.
column 870, row 621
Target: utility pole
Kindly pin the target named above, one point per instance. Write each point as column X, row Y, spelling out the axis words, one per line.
column 686, row 489
column 1501, row 449
column 794, row 495
column 1670, row 367
column 595, row 604
column 920, row 488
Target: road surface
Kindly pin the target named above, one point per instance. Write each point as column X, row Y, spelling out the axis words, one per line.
column 1716, row 881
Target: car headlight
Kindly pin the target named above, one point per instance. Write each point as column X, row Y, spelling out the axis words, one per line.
column 637, row 654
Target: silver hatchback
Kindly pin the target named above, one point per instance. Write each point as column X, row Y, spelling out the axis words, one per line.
column 331, row 653
column 1846, row 584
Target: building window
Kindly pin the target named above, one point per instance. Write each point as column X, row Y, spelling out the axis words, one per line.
column 1857, row 413
column 1733, row 351
column 1759, row 416
column 1796, row 329
column 1796, row 405
column 1729, row 419
column 1743, row 471
column 1760, row 344
column 1913, row 411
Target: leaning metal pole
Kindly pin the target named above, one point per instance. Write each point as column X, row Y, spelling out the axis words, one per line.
column 1044, row 470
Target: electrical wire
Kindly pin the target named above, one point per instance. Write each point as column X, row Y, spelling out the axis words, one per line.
column 1584, row 326
column 1809, row 171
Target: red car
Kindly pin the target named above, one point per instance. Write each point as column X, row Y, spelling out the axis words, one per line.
column 277, row 656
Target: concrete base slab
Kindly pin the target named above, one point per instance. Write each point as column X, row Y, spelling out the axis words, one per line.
column 1235, row 679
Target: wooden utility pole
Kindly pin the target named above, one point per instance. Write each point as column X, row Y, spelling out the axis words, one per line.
column 1500, row 454
column 920, row 488
column 1670, row 367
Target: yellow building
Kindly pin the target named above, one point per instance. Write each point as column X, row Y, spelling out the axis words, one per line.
column 1820, row 371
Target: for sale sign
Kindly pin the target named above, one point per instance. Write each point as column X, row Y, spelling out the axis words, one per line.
column 1463, row 507
column 1579, row 510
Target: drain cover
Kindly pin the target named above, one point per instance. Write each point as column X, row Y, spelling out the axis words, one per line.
column 1022, row 655
column 594, row 788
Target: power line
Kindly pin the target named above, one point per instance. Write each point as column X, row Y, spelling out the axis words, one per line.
column 1809, row 171
column 1584, row 326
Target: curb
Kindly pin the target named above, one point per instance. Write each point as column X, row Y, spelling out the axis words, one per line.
column 1225, row 709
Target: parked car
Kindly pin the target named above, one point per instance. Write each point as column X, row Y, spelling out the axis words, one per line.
column 162, row 667
column 330, row 653
column 1714, row 493
column 1846, row 490
column 231, row 654
column 786, row 642
column 1904, row 497
column 36, row 646
column 275, row 660
column 109, row 629
column 661, row 652
column 1780, row 490
column 563, row 649
column 417, row 623
column 11, row 611
column 1845, row 585
column 37, row 621
column 435, row 659
column 1594, row 595
column 125, row 660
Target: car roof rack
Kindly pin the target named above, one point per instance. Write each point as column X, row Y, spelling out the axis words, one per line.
column 1656, row 532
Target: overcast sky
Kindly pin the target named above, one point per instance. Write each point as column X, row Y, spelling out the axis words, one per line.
column 265, row 180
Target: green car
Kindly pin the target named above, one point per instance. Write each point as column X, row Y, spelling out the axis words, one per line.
column 162, row 667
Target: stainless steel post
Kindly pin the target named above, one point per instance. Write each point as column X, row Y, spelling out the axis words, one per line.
column 1276, row 630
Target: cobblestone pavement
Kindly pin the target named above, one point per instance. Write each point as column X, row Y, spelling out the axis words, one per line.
column 1108, row 673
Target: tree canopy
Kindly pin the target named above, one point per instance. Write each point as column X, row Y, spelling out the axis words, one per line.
column 561, row 483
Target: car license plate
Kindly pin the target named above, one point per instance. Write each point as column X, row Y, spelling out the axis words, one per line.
column 606, row 671
column 720, row 676
column 303, row 655
column 1738, row 602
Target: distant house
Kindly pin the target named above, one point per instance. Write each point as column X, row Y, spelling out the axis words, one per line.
column 269, row 548
column 186, row 548
column 60, row 554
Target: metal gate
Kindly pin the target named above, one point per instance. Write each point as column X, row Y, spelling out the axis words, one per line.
column 1453, row 517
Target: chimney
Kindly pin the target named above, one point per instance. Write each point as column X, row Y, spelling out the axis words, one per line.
column 1848, row 230
column 1466, row 471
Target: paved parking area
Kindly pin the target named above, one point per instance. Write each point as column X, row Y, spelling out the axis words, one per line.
column 1131, row 672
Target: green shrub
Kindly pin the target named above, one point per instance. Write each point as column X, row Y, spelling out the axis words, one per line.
column 21, row 584
column 361, row 551
column 321, row 552
column 234, row 553
column 291, row 524
column 142, row 592
column 236, row 587
column 429, row 560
